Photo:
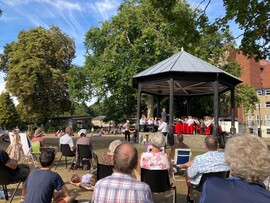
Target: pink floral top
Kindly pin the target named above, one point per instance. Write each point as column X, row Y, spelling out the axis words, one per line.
column 154, row 161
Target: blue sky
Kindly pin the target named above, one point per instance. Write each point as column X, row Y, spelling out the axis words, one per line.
column 73, row 17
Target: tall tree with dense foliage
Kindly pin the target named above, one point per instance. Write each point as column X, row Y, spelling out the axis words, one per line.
column 142, row 34
column 9, row 117
column 37, row 68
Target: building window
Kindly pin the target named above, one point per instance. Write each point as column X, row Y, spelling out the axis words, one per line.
column 258, row 105
column 259, row 92
column 268, row 131
column 258, row 122
column 250, row 120
column 267, row 92
column 267, row 104
column 267, row 119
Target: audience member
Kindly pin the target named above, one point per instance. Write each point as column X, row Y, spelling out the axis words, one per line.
column 211, row 161
column 156, row 159
column 41, row 183
column 86, row 181
column 179, row 145
column 107, row 158
column 15, row 150
column 121, row 186
column 17, row 171
column 83, row 140
column 249, row 160
column 67, row 139
column 38, row 137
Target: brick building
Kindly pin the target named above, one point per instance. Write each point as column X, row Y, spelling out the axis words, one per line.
column 257, row 75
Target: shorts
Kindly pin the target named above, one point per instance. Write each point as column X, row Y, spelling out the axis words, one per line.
column 23, row 172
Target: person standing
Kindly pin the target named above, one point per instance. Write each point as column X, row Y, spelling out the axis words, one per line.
column 164, row 114
column 121, row 186
column 163, row 127
column 126, row 127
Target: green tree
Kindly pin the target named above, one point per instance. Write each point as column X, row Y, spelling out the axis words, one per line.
column 142, row 34
column 253, row 17
column 9, row 117
column 37, row 68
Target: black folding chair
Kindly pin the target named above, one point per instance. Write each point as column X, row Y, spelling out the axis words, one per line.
column 66, row 152
column 104, row 170
column 221, row 174
column 158, row 180
column 84, row 152
column 6, row 179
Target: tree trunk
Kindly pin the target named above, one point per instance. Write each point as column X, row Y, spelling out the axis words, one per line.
column 150, row 106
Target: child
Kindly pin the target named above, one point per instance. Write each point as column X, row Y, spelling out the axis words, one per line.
column 41, row 183
column 86, row 181
column 15, row 150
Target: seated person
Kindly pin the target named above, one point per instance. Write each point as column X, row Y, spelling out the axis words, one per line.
column 41, row 183
column 17, row 171
column 107, row 158
column 83, row 140
column 38, row 137
column 211, row 161
column 15, row 150
column 86, row 181
column 67, row 139
column 179, row 145
column 156, row 159
column 249, row 160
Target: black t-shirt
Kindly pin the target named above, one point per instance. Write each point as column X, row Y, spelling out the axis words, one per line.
column 4, row 158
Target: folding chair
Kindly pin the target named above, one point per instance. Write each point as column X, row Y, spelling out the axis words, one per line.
column 84, row 152
column 5, row 180
column 158, row 180
column 181, row 156
column 221, row 174
column 104, row 170
column 66, row 152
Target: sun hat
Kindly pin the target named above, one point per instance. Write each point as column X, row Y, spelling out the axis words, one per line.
column 158, row 140
column 114, row 144
column 82, row 131
column 38, row 132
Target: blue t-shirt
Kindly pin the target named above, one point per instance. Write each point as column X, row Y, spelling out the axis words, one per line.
column 40, row 186
column 233, row 190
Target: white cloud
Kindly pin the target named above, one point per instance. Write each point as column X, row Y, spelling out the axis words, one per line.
column 105, row 8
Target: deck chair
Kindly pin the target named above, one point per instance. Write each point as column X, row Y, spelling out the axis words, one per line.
column 66, row 152
column 104, row 170
column 6, row 179
column 221, row 174
column 158, row 180
column 181, row 156
column 84, row 152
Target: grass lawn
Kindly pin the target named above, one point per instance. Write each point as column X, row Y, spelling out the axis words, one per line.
column 100, row 145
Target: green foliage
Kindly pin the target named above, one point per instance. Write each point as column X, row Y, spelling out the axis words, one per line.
column 253, row 17
column 37, row 69
column 9, row 117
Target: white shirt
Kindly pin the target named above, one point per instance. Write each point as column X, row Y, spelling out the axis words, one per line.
column 163, row 127
column 66, row 139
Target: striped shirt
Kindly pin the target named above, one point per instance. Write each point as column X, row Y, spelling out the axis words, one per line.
column 121, row 188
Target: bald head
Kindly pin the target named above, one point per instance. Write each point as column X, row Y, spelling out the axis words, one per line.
column 125, row 158
column 211, row 143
